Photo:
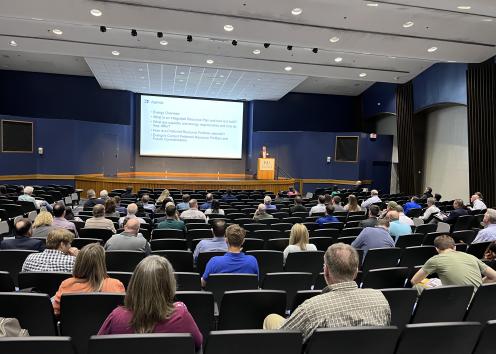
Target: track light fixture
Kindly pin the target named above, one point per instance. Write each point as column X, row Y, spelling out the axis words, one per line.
column 315, row 50
column 266, row 45
column 290, row 47
column 234, row 42
column 103, row 29
column 134, row 33
column 189, row 38
column 160, row 34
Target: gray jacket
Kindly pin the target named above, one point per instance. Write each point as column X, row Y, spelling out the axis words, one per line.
column 128, row 242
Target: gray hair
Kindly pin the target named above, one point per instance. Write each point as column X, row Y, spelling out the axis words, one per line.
column 431, row 201
column 91, row 193
column 267, row 199
column 28, row 190
column 98, row 210
column 132, row 209
column 342, row 262
column 374, row 192
column 193, row 203
column 491, row 215
column 103, row 193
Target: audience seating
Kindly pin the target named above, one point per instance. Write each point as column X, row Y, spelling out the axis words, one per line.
column 430, row 237
column 218, row 284
column 171, row 343
column 383, row 278
column 425, row 228
column 199, row 233
column 37, row 345
column 301, row 296
column 290, row 282
column 268, row 261
column 347, row 239
column 252, row 244
column 281, row 226
column 102, row 234
column 442, row 304
column 485, row 345
column 401, row 302
column 478, row 249
column 158, row 234
column 123, row 261
column 465, row 236
column 381, row 258
column 81, row 242
column 124, row 277
column 351, row 231
column 182, row 261
column 277, row 244
column 201, row 306
column 310, row 261
column 254, row 341
column 82, row 315
column 169, row 244
column 203, row 258
column 43, row 282
column 267, row 234
column 417, row 255
column 410, row 240
column 322, row 243
column 6, row 282
column 198, row 226
column 463, row 222
column 354, row 340
column 12, row 260
column 334, row 233
column 247, row 309
column 482, row 307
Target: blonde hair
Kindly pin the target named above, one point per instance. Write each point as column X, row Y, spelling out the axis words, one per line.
column 353, row 203
column 164, row 195
column 90, row 266
column 299, row 236
column 44, row 218
column 150, row 294
column 58, row 236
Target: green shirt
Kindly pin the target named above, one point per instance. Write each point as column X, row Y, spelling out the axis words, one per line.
column 456, row 268
column 172, row 224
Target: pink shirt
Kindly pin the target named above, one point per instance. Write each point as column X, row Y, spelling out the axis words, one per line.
column 181, row 321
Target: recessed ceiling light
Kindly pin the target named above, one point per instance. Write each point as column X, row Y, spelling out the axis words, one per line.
column 142, row 77
column 334, row 39
column 451, row 61
column 259, row 79
column 432, row 49
column 210, row 61
column 181, row 80
column 163, row 42
column 96, row 12
column 221, row 75
column 464, row 7
column 288, row 68
column 140, row 69
column 408, row 24
column 115, row 52
column 362, row 74
column 36, row 19
column 392, row 57
column 228, row 28
column 13, row 43
column 372, row 4
column 488, row 20
column 217, row 83
column 57, row 31
column 296, row 11
column 256, row 51
column 181, row 73
column 338, row 59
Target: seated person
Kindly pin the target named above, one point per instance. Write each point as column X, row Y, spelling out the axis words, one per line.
column 234, row 261
column 329, row 210
column 165, row 195
column 145, row 200
column 261, row 214
column 193, row 212
column 412, row 204
column 208, row 202
column 371, row 221
column 488, row 234
column 22, row 240
column 59, row 220
column 402, row 217
column 98, row 220
column 184, row 205
column 298, row 206
column 397, row 228
column 292, row 192
column 110, row 209
column 149, row 305
column 490, row 255
column 104, row 195
column 89, row 275
column 129, row 240
column 427, row 193
column 132, row 211
column 320, row 207
column 374, row 237
column 58, row 255
column 118, row 206
column 298, row 241
column 171, row 219
column 229, row 196
column 215, row 244
column 214, row 208
column 336, row 203
column 457, row 212
column 92, row 199
column 128, row 193
column 477, row 203
column 268, row 205
column 352, row 205
column 42, row 224
column 28, row 197
column 374, row 198
column 431, row 210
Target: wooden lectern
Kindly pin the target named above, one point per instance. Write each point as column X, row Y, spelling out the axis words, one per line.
column 266, row 168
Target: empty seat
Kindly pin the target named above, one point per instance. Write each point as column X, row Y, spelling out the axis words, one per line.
column 267, row 234
column 36, row 345
column 218, row 284
column 354, row 340
column 254, row 341
column 290, row 282
column 465, row 236
column 482, row 307
column 351, row 231
column 415, row 256
column 169, row 244
column 182, row 261
column 198, row 226
column 334, row 233
column 347, row 239
column 81, row 242
column 308, row 261
column 200, row 305
column 123, row 261
column 6, row 282
column 381, row 258
column 12, row 260
column 158, row 234
column 281, row 226
column 175, row 343
column 123, row 277
column 478, row 249
column 277, row 244
column 485, row 345
column 247, row 309
column 102, row 234
column 401, row 303
column 268, row 261
column 383, row 278
column 322, row 243
column 410, row 240
column 463, row 222
column 425, row 228
column 198, row 233
column 252, row 244
column 254, row 227
column 442, row 304
column 42, row 282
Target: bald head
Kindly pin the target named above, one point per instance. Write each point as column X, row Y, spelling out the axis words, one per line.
column 132, row 226
column 393, row 215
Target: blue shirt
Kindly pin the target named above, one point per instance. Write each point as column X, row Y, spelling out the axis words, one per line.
column 410, row 205
column 326, row 219
column 397, row 229
column 486, row 235
column 372, row 237
column 231, row 263
column 182, row 206
column 270, row 207
column 217, row 244
column 206, row 205
column 22, row 243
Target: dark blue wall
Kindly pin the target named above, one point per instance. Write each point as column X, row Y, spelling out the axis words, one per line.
column 378, row 99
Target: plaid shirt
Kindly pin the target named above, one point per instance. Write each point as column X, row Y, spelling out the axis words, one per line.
column 343, row 306
column 49, row 261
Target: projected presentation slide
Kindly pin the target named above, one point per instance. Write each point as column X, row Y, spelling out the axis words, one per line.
column 183, row 127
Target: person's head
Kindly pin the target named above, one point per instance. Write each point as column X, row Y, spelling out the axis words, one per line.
column 90, row 266
column 193, row 204
column 291, row 189
column 98, row 211
column 44, row 218
column 280, row 195
column 170, row 210
column 374, row 211
column 103, row 194
column 438, row 197
column 391, row 205
column 431, row 201
column 340, row 263
column 327, row 199
column 90, row 194
column 352, row 201
column 3, row 189
column 209, row 197
column 428, row 190
column 267, row 200
column 235, row 236
column 69, row 215
column 399, row 209
column 58, row 210
column 261, row 209
column 458, row 203
column 28, row 190
column 299, row 236
column 23, row 227
column 321, row 199
column 59, row 239
column 129, row 189
column 117, row 200
column 393, row 215
column 132, row 209
column 215, row 205
column 374, row 192
column 384, row 223
column 228, row 191
column 414, row 199
column 490, row 217
column 132, row 226
column 219, row 228
column 443, row 243
column 329, row 210
column 479, row 194
column 186, row 198
column 145, row 198
column 298, row 200
column 150, row 294
column 336, row 200
column 110, row 206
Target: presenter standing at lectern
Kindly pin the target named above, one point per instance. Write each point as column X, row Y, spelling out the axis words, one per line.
column 264, row 153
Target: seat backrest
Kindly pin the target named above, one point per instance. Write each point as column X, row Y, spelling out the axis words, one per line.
column 307, row 261
column 478, row 249
column 188, row 281
column 351, row 231
column 176, row 343
column 381, row 258
column 290, row 282
column 417, row 255
column 334, row 233
column 33, row 311
column 354, row 340
column 169, row 244
column 268, row 261
column 449, row 337
column 481, row 308
column 267, row 234
column 256, row 305
column 277, row 244
column 252, row 244
column 322, row 243
column 410, row 240
column 466, row 236
column 158, row 234
column 254, row 341
column 12, row 260
column 123, row 277
column 43, row 282
column 123, row 261
column 82, row 315
column 203, row 258
column 401, row 302
column 36, row 345
column 485, row 345
column 182, row 261
column 442, row 304
column 463, row 222
column 6, row 282
column 200, row 305
column 81, row 242
column 301, row 296
column 95, row 233
column 383, row 278
column 218, row 284
column 425, row 228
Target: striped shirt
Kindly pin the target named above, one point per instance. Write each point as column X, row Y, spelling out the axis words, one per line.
column 343, row 306
column 49, row 261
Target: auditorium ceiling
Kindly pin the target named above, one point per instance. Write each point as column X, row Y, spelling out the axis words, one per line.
column 313, row 46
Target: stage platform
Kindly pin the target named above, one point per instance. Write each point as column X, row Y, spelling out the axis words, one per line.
column 206, row 181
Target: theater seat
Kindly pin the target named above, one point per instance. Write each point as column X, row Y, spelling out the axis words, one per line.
column 290, row 282
column 200, row 305
column 12, row 260
column 43, row 282
column 485, row 345
column 401, row 302
column 383, row 278
column 308, row 261
column 36, row 345
column 170, row 343
column 218, row 284
column 123, row 261
column 6, row 282
column 482, row 307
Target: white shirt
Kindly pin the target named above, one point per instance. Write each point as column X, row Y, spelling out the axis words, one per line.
column 405, row 219
column 209, row 211
column 479, row 205
column 296, row 248
column 429, row 212
column 319, row 208
column 193, row 214
column 370, row 201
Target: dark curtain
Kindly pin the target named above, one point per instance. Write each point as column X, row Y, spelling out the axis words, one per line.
column 481, row 92
column 405, row 135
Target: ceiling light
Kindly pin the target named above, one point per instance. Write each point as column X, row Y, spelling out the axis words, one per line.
column 288, row 68
column 217, row 83
column 372, row 4
column 488, row 20
column 315, row 50
column 392, row 57
column 210, row 61
column 164, row 42
column 362, row 74
column 234, row 42
column 408, row 24
column 140, row 69
column 115, row 52
column 334, row 39
column 96, row 12
column 221, row 75
column 228, row 28
column 181, row 73
column 36, row 19
column 13, row 43
column 256, row 51
column 338, row 59
column 266, row 45
column 57, row 31
column 296, row 11
column 142, row 77
column 189, row 38
column 181, row 80
column 451, row 61
column 432, row 49
column 464, row 7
